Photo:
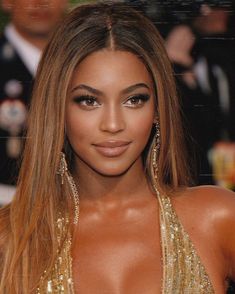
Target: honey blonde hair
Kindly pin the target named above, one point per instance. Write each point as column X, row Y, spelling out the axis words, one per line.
column 27, row 226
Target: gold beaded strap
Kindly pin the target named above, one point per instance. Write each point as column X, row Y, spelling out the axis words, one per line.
column 59, row 280
column 183, row 272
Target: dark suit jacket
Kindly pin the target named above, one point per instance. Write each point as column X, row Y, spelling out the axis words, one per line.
column 15, row 91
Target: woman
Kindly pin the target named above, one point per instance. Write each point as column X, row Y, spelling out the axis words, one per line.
column 104, row 172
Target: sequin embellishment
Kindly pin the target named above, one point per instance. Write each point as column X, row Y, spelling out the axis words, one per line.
column 60, row 278
column 183, row 272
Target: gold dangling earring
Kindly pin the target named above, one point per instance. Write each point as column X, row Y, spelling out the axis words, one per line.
column 63, row 167
column 64, row 174
column 155, row 150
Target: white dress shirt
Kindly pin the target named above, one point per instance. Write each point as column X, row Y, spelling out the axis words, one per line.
column 29, row 54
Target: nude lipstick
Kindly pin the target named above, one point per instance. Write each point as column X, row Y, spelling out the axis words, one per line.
column 112, row 148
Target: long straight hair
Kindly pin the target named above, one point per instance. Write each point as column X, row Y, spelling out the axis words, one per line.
column 27, row 226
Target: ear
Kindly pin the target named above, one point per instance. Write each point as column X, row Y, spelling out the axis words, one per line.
column 7, row 5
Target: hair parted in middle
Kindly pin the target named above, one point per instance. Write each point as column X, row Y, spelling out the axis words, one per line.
column 39, row 196
column 94, row 27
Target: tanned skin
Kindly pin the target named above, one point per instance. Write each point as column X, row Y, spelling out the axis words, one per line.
column 116, row 246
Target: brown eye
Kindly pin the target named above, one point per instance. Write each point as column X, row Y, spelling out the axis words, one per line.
column 87, row 101
column 137, row 100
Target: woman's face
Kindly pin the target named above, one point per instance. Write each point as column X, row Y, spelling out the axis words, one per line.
column 110, row 111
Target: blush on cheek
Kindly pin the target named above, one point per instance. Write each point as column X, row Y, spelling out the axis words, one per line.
column 147, row 136
column 143, row 133
column 145, row 124
column 79, row 132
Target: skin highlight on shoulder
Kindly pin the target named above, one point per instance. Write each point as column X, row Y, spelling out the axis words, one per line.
column 212, row 231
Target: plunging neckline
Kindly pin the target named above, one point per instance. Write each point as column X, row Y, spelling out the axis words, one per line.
column 181, row 265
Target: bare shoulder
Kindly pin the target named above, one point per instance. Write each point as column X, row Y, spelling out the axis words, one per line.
column 216, row 206
column 215, row 192
column 211, row 211
column 212, row 205
column 220, row 200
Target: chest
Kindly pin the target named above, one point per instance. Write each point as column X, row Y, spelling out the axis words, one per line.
column 118, row 258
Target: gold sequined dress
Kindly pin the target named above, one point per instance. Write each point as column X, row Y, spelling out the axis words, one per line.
column 183, row 271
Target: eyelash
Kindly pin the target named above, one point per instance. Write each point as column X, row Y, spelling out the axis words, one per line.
column 141, row 97
column 83, row 99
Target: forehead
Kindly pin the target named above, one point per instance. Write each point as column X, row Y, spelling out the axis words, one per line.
column 27, row 4
column 111, row 67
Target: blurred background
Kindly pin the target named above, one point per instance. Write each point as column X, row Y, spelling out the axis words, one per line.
column 4, row 17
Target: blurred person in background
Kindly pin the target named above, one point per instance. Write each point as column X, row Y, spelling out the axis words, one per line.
column 203, row 54
column 21, row 45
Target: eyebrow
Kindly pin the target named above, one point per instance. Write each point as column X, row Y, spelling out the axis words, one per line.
column 98, row 92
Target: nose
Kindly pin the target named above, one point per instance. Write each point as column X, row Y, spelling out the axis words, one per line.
column 112, row 120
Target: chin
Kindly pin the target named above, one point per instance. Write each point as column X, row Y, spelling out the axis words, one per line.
column 107, row 168
column 112, row 171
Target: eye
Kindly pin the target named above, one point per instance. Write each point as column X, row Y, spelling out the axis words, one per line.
column 137, row 100
column 87, row 101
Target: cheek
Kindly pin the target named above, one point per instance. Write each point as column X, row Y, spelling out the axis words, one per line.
column 79, row 126
column 23, row 18
column 142, row 133
column 141, row 126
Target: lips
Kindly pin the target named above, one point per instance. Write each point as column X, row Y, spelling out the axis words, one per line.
column 112, row 148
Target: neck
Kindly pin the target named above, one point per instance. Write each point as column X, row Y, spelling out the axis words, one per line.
column 97, row 188
column 37, row 40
